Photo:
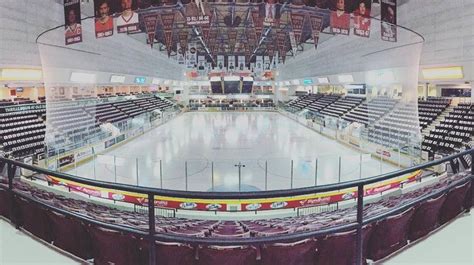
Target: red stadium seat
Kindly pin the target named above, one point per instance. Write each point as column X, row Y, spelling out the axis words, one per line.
column 345, row 243
column 33, row 218
column 233, row 255
column 389, row 235
column 425, row 218
column 112, row 247
column 454, row 203
column 174, row 253
column 297, row 253
column 70, row 235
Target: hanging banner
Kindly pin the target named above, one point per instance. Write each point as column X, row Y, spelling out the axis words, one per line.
column 191, row 56
column 257, row 23
column 232, row 34
column 266, row 63
column 389, row 20
column 272, row 13
column 183, row 40
column 294, row 48
column 231, row 63
column 361, row 17
column 281, row 41
column 151, row 20
column 259, row 64
column 220, row 62
column 167, row 19
column 201, row 64
column 316, row 24
column 340, row 20
column 128, row 21
column 104, row 22
column 180, row 55
column 72, row 21
column 297, row 22
column 241, row 62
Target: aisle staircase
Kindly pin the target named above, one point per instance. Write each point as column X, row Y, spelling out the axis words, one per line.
column 438, row 120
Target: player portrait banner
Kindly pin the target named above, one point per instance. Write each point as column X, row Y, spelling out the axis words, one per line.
column 361, row 17
column 104, row 21
column 339, row 19
column 297, row 22
column 220, row 62
column 128, row 21
column 167, row 19
column 231, row 63
column 72, row 21
column 259, row 64
column 389, row 20
column 241, row 62
column 316, row 24
column 180, row 55
column 151, row 21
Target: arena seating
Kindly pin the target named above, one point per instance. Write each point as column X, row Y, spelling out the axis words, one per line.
column 380, row 238
column 453, row 133
column 429, row 109
column 302, row 102
column 371, row 111
column 342, row 106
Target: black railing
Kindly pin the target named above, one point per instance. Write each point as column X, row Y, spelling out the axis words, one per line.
column 151, row 235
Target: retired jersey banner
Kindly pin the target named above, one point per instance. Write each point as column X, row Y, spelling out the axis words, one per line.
column 389, row 20
column 128, row 21
column 104, row 21
column 361, row 17
column 316, row 24
column 340, row 20
column 297, row 22
column 72, row 18
column 167, row 19
column 151, row 20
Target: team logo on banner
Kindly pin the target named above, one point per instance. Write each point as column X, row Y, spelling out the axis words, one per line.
column 72, row 18
column 297, row 22
column 128, row 21
column 104, row 22
column 168, row 19
column 151, row 20
column 180, row 55
column 316, row 24
column 340, row 20
column 362, row 18
column 389, row 20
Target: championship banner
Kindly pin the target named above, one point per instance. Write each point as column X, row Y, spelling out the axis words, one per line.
column 232, row 34
column 231, row 63
column 389, row 20
column 151, row 20
column 361, row 17
column 241, row 62
column 183, row 40
column 281, row 41
column 128, row 21
column 104, row 22
column 257, row 23
column 297, row 22
column 167, row 19
column 339, row 19
column 316, row 24
column 72, row 21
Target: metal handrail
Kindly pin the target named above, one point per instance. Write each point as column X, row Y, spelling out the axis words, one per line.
column 235, row 195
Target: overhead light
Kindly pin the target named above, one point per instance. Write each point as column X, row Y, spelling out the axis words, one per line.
column 117, row 79
column 295, row 82
column 323, row 80
column 156, row 81
column 84, row 78
column 12, row 74
column 455, row 72
column 345, row 78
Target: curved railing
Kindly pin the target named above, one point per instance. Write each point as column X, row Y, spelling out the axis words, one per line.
column 152, row 235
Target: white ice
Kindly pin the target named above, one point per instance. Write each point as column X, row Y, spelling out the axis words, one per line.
column 202, row 149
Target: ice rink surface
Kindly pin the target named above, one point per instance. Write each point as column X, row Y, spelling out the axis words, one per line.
column 202, row 150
